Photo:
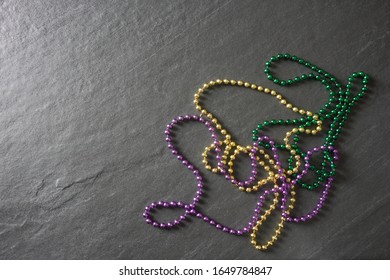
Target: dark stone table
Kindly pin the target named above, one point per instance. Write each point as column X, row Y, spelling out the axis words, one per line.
column 87, row 88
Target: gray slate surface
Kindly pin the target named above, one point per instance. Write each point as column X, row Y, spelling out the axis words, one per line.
column 87, row 88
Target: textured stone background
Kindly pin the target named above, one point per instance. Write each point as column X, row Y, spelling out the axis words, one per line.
column 86, row 88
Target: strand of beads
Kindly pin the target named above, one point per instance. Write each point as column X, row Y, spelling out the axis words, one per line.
column 335, row 111
column 231, row 148
column 190, row 208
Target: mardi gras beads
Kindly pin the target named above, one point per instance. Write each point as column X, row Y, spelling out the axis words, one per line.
column 284, row 180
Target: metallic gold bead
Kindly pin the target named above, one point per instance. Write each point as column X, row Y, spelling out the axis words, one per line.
column 240, row 83
column 246, row 84
column 267, row 90
column 260, row 88
column 226, row 81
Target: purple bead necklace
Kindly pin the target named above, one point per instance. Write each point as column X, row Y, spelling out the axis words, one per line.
column 282, row 188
